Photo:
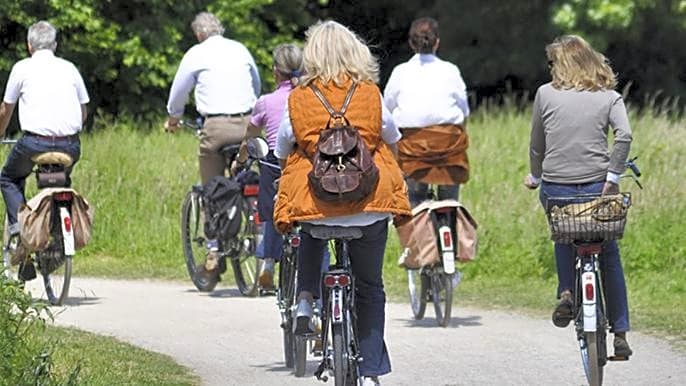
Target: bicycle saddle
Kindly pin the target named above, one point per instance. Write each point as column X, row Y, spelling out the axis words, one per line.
column 53, row 157
column 325, row 232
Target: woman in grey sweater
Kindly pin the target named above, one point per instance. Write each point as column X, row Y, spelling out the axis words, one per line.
column 569, row 155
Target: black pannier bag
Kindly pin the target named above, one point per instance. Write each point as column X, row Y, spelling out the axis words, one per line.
column 222, row 198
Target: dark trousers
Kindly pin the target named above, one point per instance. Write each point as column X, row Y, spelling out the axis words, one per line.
column 418, row 192
column 610, row 263
column 18, row 166
column 366, row 260
column 273, row 241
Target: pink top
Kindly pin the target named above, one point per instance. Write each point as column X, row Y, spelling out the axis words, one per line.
column 269, row 109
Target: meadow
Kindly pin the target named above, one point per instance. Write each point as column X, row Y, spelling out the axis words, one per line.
column 136, row 177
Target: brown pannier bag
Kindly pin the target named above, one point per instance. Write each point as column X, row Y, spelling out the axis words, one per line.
column 419, row 236
column 35, row 215
column 343, row 169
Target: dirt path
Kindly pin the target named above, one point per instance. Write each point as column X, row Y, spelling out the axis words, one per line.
column 231, row 340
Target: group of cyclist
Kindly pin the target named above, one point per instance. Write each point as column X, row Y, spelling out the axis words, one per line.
column 416, row 129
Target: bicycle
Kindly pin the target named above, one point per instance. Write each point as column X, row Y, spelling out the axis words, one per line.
column 285, row 294
column 586, row 222
column 240, row 250
column 435, row 282
column 338, row 318
column 55, row 261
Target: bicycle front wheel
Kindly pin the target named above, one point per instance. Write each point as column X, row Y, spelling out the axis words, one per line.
column 193, row 240
column 245, row 264
column 442, row 297
column 418, row 285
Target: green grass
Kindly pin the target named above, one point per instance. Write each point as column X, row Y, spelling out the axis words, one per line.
column 137, row 177
column 106, row 361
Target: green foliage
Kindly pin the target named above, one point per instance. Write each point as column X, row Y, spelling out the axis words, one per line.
column 26, row 359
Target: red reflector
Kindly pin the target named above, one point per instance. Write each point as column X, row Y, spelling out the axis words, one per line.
column 336, row 311
column 295, row 241
column 589, row 291
column 447, row 240
column 343, row 280
column 329, row 280
column 251, row 190
column 256, row 217
column 67, row 224
column 62, row 196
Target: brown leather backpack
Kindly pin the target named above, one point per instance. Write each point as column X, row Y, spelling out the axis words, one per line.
column 343, row 169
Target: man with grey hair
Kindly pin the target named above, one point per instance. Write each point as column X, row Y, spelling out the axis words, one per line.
column 52, row 108
column 227, row 83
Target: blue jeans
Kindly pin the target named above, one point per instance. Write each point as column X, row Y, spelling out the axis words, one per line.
column 18, row 166
column 366, row 260
column 610, row 263
column 418, row 191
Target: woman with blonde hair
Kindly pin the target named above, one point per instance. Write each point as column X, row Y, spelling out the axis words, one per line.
column 335, row 60
column 569, row 156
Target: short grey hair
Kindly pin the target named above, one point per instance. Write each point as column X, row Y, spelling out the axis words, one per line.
column 206, row 24
column 42, row 35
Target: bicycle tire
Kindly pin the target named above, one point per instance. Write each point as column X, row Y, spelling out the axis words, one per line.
column 442, row 297
column 57, row 282
column 300, row 355
column 245, row 264
column 340, row 360
column 6, row 252
column 193, row 241
column 592, row 363
column 285, row 296
column 417, row 295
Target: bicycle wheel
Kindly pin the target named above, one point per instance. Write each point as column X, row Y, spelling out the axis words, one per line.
column 245, row 264
column 285, row 297
column 418, row 286
column 57, row 282
column 591, row 345
column 340, row 355
column 442, row 297
column 300, row 355
column 8, row 248
column 193, row 240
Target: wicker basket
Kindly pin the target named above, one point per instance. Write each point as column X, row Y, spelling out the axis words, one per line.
column 587, row 218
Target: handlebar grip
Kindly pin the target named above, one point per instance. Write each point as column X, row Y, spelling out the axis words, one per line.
column 634, row 169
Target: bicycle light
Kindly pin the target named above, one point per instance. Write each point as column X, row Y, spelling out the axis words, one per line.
column 336, row 280
column 62, row 196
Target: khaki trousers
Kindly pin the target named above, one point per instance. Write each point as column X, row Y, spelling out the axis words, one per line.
column 216, row 133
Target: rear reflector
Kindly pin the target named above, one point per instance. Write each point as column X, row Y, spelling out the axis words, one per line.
column 336, row 280
column 251, row 190
column 62, row 196
column 67, row 224
column 589, row 291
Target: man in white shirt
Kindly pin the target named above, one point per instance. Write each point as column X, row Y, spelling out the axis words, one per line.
column 52, row 108
column 227, row 83
column 428, row 100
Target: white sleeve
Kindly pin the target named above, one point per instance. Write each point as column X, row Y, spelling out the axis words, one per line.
column 390, row 93
column 285, row 139
column 184, row 81
column 389, row 132
column 461, row 94
column 81, row 91
column 13, row 88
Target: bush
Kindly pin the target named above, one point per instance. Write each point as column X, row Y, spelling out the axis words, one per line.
column 25, row 358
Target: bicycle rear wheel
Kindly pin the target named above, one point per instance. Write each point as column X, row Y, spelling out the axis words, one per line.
column 592, row 347
column 55, row 280
column 193, row 240
column 285, row 296
column 418, row 285
column 245, row 264
column 442, row 297
column 340, row 355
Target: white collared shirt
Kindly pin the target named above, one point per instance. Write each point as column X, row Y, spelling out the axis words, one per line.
column 426, row 91
column 224, row 75
column 50, row 92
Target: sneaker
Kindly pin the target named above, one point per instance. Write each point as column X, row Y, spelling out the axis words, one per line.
column 370, row 381
column 303, row 318
column 622, row 348
column 27, row 271
column 563, row 313
column 266, row 277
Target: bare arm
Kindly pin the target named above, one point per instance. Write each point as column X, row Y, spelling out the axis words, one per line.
column 6, row 110
column 84, row 112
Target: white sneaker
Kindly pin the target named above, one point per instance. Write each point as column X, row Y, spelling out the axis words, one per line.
column 370, row 381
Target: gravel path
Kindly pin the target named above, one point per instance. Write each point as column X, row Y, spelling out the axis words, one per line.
column 228, row 339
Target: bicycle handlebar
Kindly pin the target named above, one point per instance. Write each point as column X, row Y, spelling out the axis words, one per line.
column 636, row 172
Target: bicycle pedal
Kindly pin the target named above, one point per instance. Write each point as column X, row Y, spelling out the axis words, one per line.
column 616, row 358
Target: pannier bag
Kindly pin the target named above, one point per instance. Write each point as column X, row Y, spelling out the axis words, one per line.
column 36, row 214
column 343, row 169
column 419, row 235
column 222, row 198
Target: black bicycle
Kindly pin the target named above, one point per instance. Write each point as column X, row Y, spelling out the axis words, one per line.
column 285, row 294
column 586, row 222
column 339, row 319
column 239, row 250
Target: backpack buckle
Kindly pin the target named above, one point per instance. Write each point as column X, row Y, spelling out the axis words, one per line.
column 340, row 166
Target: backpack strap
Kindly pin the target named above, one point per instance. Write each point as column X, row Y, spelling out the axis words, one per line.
column 326, row 103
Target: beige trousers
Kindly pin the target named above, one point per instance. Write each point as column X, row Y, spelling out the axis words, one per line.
column 218, row 132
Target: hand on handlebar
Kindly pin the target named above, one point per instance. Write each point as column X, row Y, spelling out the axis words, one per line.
column 171, row 125
column 610, row 188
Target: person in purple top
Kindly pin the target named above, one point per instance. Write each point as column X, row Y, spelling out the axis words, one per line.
column 267, row 114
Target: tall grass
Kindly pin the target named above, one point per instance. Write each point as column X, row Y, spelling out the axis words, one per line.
column 137, row 177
